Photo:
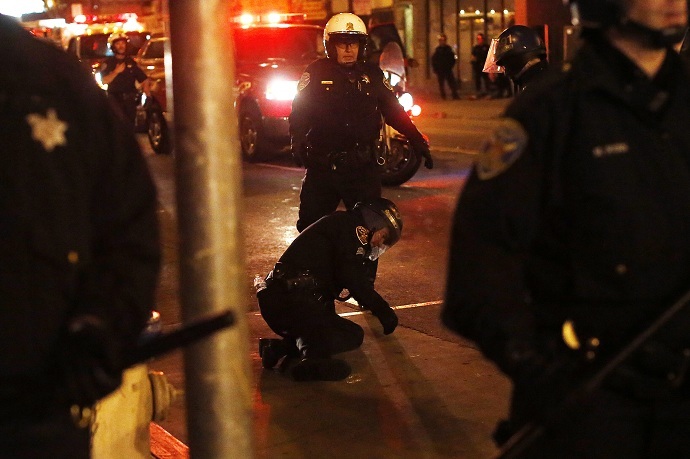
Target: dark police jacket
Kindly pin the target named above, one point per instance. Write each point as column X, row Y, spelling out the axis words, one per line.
column 78, row 218
column 590, row 221
column 341, row 108
column 123, row 83
column 335, row 249
column 443, row 59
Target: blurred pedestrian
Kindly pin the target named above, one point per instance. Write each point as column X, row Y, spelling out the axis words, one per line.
column 443, row 62
column 339, row 251
column 121, row 73
column 479, row 52
column 575, row 224
column 79, row 254
column 336, row 122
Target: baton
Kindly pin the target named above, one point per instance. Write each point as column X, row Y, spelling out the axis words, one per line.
column 532, row 431
column 180, row 337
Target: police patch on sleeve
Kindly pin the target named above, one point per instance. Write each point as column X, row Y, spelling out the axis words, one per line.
column 503, row 147
column 303, row 81
column 362, row 234
column 387, row 84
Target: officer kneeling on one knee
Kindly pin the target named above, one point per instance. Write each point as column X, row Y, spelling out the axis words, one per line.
column 336, row 121
column 298, row 303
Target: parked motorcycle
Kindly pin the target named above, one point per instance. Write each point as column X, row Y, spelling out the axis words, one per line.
column 396, row 156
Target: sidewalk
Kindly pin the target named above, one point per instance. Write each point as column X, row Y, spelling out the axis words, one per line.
column 413, row 394
column 410, row 395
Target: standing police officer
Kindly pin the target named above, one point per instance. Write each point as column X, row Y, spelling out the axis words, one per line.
column 339, row 251
column 336, row 121
column 578, row 213
column 121, row 74
column 80, row 253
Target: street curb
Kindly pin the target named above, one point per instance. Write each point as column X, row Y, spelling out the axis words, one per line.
column 164, row 445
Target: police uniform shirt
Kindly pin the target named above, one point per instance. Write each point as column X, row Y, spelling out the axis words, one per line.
column 335, row 250
column 124, row 82
column 580, row 203
column 341, row 107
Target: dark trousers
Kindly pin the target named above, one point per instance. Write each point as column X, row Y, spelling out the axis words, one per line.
column 323, row 189
column 479, row 78
column 447, row 77
column 312, row 323
column 614, row 426
column 126, row 105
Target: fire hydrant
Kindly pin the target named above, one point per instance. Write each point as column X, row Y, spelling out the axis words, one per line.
column 121, row 420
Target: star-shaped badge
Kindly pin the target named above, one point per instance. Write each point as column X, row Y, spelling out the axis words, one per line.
column 49, row 130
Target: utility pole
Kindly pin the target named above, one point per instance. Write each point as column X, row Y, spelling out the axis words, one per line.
column 208, row 171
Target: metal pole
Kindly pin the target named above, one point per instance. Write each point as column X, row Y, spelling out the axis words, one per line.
column 209, row 201
column 440, row 16
column 427, row 32
column 486, row 20
column 503, row 14
column 457, row 41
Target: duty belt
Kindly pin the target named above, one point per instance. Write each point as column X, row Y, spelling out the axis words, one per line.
column 351, row 159
column 293, row 280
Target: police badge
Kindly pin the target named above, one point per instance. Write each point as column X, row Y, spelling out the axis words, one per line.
column 501, row 149
column 303, row 81
column 362, row 234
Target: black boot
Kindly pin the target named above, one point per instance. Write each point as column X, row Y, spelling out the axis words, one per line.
column 271, row 350
column 320, row 369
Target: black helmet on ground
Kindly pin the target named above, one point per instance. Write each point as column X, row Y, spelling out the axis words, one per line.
column 379, row 213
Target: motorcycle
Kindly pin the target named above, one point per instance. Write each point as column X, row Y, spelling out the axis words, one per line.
column 396, row 156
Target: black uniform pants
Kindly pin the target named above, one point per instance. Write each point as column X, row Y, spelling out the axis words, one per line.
column 615, row 426
column 126, row 103
column 447, row 77
column 312, row 323
column 480, row 77
column 323, row 189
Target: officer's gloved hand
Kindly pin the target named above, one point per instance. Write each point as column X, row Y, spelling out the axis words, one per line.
column 541, row 379
column 388, row 319
column 423, row 149
column 91, row 360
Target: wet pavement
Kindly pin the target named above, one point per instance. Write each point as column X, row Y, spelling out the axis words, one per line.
column 421, row 392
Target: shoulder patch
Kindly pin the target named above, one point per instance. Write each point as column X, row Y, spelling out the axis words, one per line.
column 503, row 147
column 387, row 84
column 362, row 234
column 303, row 81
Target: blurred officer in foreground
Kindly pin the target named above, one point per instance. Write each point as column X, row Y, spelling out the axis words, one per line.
column 121, row 73
column 336, row 121
column 520, row 54
column 79, row 255
column 338, row 251
column 578, row 210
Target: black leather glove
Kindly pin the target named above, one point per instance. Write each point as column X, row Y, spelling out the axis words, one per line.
column 422, row 148
column 388, row 319
column 540, row 380
column 91, row 360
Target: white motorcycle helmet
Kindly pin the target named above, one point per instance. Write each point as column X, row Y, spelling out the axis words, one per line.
column 344, row 25
column 115, row 36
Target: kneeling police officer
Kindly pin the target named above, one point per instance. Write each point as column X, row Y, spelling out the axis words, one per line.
column 298, row 303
